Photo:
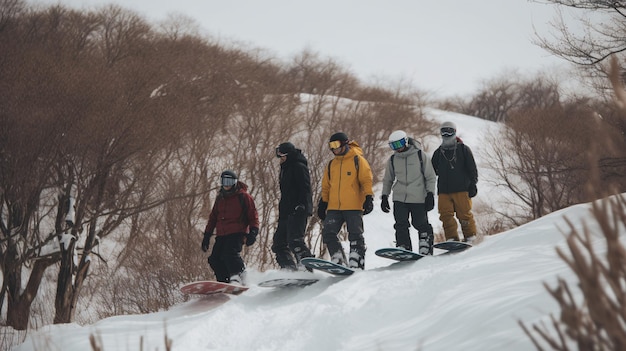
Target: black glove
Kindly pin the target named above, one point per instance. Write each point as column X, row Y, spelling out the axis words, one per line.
column 384, row 203
column 205, row 241
column 472, row 191
column 321, row 209
column 368, row 205
column 430, row 201
column 299, row 209
column 251, row 237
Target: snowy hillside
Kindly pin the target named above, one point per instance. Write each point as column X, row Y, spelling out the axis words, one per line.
column 469, row 301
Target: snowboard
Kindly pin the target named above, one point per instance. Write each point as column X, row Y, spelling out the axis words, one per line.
column 399, row 254
column 452, row 246
column 287, row 282
column 326, row 266
column 212, row 287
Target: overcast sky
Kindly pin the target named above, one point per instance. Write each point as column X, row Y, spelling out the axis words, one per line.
column 446, row 46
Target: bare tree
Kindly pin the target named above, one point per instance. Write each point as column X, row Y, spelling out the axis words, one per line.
column 587, row 35
column 541, row 158
column 500, row 97
column 603, row 27
column 595, row 322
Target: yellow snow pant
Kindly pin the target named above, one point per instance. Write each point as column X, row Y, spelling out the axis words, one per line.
column 461, row 204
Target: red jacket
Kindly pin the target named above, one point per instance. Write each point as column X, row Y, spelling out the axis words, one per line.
column 227, row 215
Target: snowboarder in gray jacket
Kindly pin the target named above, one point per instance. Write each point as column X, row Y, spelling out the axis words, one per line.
column 410, row 174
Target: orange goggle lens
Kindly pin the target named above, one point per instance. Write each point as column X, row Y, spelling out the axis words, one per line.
column 334, row 144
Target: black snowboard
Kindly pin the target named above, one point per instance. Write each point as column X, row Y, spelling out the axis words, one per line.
column 326, row 266
column 398, row 254
column 287, row 282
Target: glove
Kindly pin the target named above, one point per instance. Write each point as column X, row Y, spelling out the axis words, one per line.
column 205, row 241
column 368, row 205
column 299, row 209
column 430, row 201
column 384, row 204
column 321, row 209
column 251, row 237
column 472, row 191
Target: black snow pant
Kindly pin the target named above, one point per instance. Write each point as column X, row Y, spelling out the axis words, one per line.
column 288, row 242
column 225, row 259
column 354, row 224
column 419, row 220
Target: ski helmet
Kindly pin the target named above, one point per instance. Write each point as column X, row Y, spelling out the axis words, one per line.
column 338, row 140
column 285, row 149
column 398, row 140
column 228, row 178
column 448, row 129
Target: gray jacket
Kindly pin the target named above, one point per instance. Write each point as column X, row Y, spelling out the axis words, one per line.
column 405, row 177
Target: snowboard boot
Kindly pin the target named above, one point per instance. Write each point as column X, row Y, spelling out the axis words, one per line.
column 238, row 279
column 301, row 253
column 286, row 262
column 405, row 247
column 336, row 253
column 339, row 257
column 426, row 243
column 470, row 239
column 357, row 255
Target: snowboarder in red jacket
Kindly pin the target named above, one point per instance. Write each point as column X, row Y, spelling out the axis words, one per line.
column 235, row 222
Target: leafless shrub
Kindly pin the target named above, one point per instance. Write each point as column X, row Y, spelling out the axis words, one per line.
column 597, row 319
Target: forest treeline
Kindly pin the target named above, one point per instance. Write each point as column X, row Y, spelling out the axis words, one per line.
column 115, row 131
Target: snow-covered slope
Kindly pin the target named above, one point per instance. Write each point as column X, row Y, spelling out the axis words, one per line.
column 469, row 301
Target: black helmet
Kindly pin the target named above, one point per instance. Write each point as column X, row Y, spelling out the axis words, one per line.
column 337, row 140
column 228, row 178
column 339, row 137
column 285, row 149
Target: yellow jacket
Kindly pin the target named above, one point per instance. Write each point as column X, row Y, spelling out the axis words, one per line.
column 345, row 187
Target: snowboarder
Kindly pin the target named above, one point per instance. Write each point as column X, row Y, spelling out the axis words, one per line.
column 235, row 221
column 294, row 208
column 346, row 196
column 454, row 164
column 409, row 172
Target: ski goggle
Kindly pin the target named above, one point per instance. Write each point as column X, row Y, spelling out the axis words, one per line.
column 279, row 154
column 447, row 132
column 335, row 144
column 398, row 144
column 228, row 181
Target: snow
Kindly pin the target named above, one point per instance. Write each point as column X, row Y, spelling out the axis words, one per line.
column 467, row 301
column 470, row 301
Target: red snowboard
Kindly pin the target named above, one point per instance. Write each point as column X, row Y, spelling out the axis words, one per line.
column 212, row 287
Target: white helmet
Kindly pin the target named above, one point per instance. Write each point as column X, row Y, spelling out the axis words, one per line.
column 398, row 140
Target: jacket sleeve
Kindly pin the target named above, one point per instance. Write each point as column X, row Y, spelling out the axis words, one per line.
column 366, row 178
column 435, row 161
column 210, row 226
column 429, row 174
column 325, row 185
column 388, row 178
column 470, row 164
column 253, row 215
column 304, row 188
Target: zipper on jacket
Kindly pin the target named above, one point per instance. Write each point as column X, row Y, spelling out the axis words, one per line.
column 339, row 184
column 406, row 176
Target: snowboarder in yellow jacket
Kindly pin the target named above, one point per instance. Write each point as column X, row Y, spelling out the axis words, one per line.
column 346, row 196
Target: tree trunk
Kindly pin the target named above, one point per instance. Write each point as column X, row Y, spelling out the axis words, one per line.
column 18, row 306
column 63, row 302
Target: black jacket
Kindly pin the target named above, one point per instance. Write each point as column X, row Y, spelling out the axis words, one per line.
column 456, row 169
column 295, row 185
